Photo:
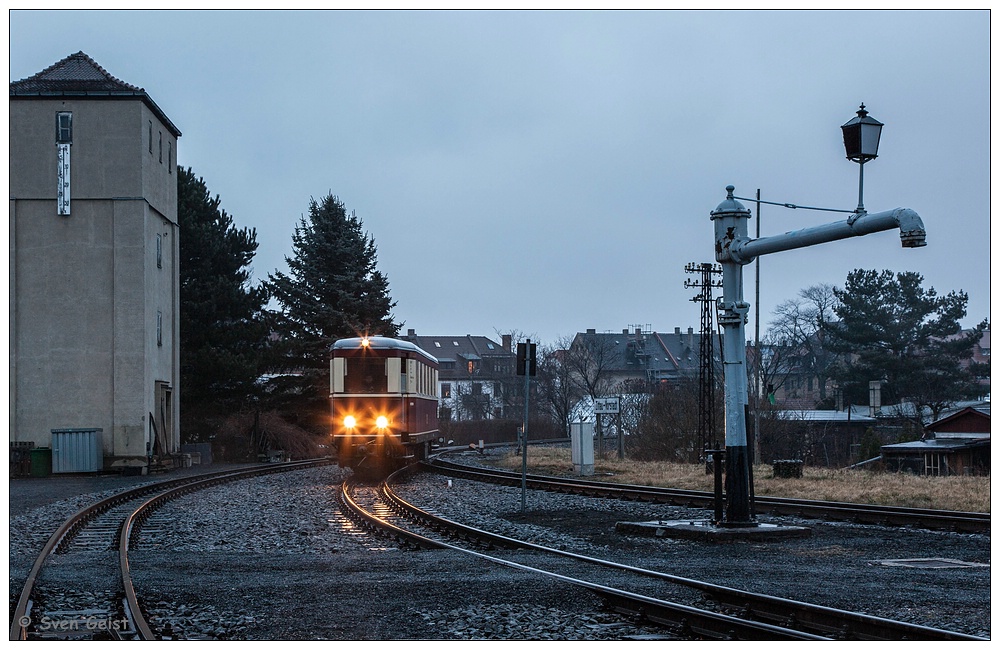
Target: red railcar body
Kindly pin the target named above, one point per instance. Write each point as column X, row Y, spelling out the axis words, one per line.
column 383, row 403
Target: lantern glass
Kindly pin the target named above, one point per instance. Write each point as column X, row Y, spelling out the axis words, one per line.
column 861, row 137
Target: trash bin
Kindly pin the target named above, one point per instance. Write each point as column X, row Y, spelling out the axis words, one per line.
column 41, row 461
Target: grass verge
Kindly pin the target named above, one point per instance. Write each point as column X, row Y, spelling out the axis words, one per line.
column 964, row 493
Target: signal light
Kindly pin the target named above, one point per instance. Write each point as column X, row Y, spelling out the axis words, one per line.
column 527, row 359
column 382, row 422
column 350, row 422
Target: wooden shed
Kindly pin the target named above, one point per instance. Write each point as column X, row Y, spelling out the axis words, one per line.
column 958, row 444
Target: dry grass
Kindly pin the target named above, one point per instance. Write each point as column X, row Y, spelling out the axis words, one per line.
column 965, row 493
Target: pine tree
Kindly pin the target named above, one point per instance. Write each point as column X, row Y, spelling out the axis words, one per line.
column 893, row 329
column 223, row 329
column 333, row 290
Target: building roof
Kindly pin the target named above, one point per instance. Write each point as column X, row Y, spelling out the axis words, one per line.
column 653, row 353
column 813, row 415
column 932, row 444
column 78, row 75
column 489, row 358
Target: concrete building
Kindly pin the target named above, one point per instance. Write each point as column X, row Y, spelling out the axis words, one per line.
column 94, row 293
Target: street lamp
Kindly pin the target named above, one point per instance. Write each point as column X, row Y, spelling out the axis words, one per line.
column 861, row 136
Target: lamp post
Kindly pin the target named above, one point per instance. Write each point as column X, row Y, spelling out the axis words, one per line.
column 861, row 136
column 733, row 250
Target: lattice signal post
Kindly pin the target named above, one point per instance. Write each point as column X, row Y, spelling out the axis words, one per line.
column 706, row 368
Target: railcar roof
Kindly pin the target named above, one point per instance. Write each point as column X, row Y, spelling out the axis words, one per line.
column 380, row 343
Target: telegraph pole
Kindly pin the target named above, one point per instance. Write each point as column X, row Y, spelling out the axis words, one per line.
column 706, row 369
column 527, row 366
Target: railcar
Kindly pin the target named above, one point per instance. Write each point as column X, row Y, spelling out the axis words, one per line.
column 383, row 403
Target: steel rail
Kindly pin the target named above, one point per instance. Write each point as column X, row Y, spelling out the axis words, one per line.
column 819, row 619
column 687, row 619
column 969, row 522
column 65, row 532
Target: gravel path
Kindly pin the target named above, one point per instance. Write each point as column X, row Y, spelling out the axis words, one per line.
column 271, row 558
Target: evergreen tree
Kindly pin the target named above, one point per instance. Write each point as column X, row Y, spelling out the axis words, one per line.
column 333, row 290
column 223, row 331
column 893, row 329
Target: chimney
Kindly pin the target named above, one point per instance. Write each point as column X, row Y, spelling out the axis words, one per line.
column 591, row 331
column 411, row 333
column 625, row 331
column 677, row 331
column 506, row 342
column 690, row 337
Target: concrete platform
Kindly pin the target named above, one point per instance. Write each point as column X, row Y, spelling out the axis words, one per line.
column 709, row 532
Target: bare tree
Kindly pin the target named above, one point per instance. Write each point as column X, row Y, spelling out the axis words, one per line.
column 557, row 392
column 591, row 360
column 794, row 342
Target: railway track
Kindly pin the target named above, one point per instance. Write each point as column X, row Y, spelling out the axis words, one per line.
column 735, row 614
column 96, row 540
column 965, row 522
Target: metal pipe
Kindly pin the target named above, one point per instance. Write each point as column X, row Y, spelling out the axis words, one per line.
column 911, row 234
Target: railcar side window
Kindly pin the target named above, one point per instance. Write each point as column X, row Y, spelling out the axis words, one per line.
column 365, row 376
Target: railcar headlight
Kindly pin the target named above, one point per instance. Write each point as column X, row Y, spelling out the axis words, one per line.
column 382, row 422
column 350, row 422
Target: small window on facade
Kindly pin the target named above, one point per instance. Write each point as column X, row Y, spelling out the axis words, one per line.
column 159, row 251
column 170, row 157
column 445, row 391
column 159, row 328
column 161, row 146
column 64, row 127
column 151, row 136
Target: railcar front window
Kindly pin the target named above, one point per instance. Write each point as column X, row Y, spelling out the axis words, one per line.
column 365, row 376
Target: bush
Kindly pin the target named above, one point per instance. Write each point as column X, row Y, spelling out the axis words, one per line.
column 243, row 437
column 489, row 431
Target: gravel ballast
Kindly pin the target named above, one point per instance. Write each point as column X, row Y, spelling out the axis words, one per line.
column 272, row 558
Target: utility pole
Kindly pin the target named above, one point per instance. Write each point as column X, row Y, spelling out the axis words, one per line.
column 706, row 356
column 527, row 366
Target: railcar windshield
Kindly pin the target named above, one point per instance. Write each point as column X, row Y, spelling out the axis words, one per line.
column 365, row 375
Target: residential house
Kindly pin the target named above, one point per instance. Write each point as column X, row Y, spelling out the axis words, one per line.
column 475, row 373
column 637, row 356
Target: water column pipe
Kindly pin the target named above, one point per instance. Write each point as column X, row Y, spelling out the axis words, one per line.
column 733, row 250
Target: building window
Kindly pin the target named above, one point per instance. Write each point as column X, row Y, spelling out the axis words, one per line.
column 151, row 136
column 170, row 157
column 159, row 328
column 64, row 127
column 161, row 147
column 445, row 391
column 159, row 251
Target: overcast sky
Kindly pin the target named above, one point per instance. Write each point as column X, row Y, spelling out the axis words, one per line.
column 549, row 172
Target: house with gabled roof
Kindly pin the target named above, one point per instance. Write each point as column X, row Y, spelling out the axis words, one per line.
column 94, row 289
column 644, row 355
column 474, row 373
column 956, row 444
